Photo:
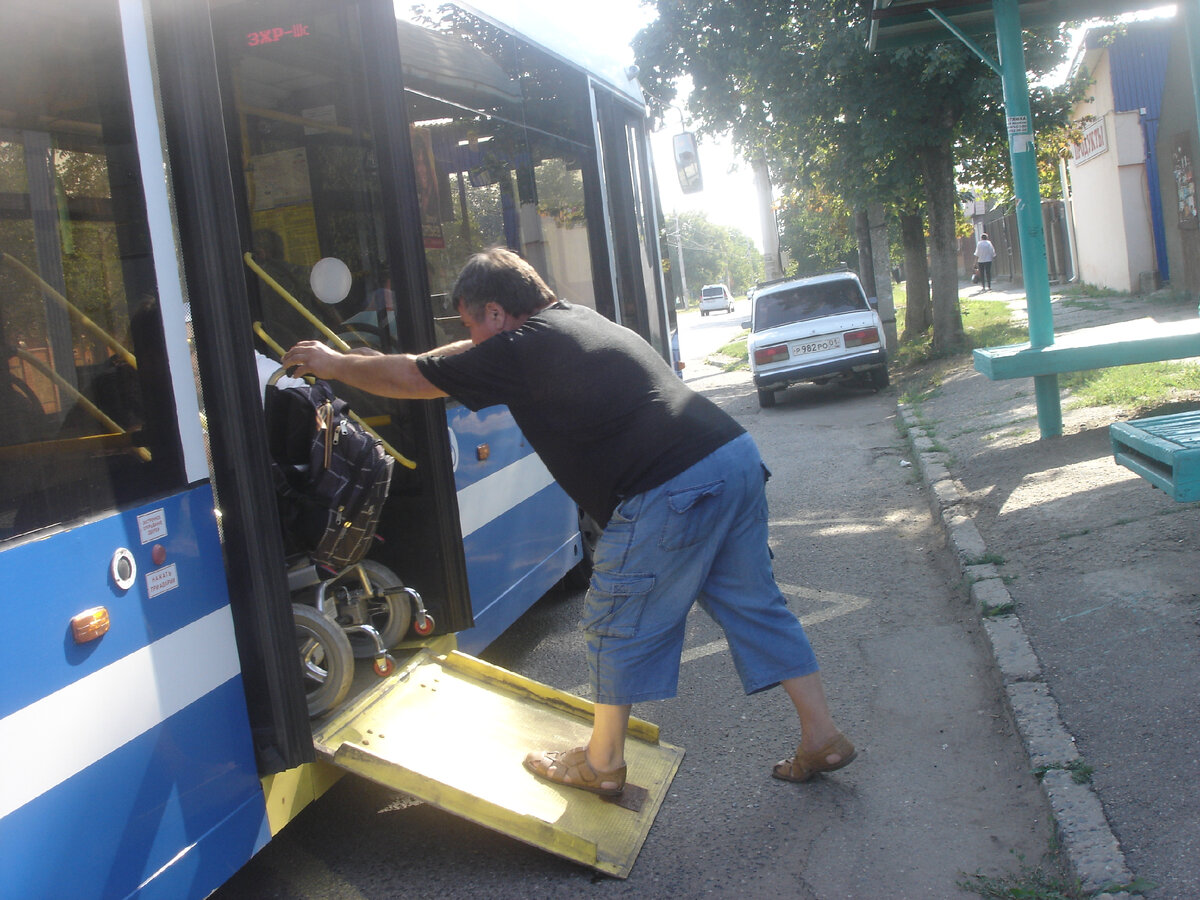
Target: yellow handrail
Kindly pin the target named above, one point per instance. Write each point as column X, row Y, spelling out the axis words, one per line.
column 92, row 409
column 296, row 304
column 388, row 448
column 72, row 310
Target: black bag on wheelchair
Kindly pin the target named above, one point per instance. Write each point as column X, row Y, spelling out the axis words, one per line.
column 331, row 474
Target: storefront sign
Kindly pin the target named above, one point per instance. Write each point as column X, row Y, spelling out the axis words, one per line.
column 1093, row 143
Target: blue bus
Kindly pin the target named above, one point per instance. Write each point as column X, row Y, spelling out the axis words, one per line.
column 171, row 174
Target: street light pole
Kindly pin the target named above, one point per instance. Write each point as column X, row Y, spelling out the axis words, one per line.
column 679, row 257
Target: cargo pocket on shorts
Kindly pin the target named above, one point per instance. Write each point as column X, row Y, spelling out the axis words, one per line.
column 690, row 515
column 614, row 604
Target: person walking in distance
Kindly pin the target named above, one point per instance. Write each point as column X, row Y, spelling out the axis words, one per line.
column 677, row 484
column 985, row 252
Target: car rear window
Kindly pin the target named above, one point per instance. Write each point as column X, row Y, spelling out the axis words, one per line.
column 808, row 301
column 712, row 292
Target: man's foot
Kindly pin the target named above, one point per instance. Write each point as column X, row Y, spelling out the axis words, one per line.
column 571, row 768
column 804, row 765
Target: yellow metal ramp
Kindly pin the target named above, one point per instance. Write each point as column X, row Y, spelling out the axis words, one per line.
column 452, row 730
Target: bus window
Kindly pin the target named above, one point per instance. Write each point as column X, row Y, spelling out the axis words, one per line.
column 501, row 158
column 87, row 419
column 309, row 168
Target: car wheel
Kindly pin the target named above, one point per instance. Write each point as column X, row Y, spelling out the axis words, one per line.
column 766, row 398
column 879, row 378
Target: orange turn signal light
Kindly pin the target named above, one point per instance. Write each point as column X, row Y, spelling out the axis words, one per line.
column 90, row 624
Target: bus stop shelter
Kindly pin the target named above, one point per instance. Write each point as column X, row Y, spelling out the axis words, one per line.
column 903, row 23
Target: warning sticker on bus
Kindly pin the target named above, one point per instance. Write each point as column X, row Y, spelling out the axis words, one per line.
column 162, row 580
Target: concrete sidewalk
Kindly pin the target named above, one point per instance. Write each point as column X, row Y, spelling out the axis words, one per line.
column 1088, row 581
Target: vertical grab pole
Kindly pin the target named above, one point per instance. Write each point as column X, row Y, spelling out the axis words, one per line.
column 1029, row 205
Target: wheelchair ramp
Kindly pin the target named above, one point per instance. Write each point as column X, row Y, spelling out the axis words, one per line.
column 452, row 730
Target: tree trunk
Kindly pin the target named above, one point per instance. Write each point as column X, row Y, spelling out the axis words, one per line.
column 862, row 234
column 881, row 283
column 772, row 262
column 937, row 169
column 918, row 309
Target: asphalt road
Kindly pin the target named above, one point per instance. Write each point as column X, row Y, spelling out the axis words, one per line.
column 941, row 788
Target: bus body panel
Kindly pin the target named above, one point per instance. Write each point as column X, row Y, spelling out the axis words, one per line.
column 137, row 750
column 520, row 530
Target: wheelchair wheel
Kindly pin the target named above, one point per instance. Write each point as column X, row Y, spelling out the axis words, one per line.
column 387, row 609
column 326, row 659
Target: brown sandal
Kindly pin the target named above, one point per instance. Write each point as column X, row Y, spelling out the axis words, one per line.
column 550, row 765
column 805, row 765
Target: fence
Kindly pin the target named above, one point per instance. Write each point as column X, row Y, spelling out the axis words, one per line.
column 1001, row 229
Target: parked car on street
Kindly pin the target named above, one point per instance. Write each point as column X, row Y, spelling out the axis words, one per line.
column 815, row 330
column 715, row 298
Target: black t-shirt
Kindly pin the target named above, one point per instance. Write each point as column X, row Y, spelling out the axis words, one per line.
column 602, row 409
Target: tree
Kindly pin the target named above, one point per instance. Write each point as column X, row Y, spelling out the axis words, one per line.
column 799, row 81
column 817, row 230
column 712, row 253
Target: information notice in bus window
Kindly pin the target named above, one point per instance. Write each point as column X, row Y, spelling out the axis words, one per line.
column 281, row 179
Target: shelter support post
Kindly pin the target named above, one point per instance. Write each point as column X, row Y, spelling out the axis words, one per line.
column 1191, row 21
column 1029, row 205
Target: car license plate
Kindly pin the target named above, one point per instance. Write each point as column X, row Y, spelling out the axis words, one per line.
column 818, row 345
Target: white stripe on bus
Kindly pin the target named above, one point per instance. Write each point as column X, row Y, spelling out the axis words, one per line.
column 87, row 720
column 493, row 496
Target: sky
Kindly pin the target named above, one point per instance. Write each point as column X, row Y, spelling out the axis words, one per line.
column 729, row 195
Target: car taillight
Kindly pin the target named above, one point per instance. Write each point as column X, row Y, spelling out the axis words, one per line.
column 767, row 355
column 860, row 337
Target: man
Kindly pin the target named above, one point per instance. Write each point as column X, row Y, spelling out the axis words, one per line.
column 677, row 482
column 985, row 252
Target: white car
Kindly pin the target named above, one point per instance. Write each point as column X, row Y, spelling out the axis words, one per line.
column 715, row 298
column 815, row 329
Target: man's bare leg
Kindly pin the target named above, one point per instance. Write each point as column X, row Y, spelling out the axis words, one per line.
column 817, row 728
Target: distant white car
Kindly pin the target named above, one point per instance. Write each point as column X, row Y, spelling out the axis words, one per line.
column 715, row 298
column 815, row 329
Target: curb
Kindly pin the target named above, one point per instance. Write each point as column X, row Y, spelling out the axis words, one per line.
column 1090, row 848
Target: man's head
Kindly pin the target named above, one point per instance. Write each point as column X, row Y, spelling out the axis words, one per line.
column 497, row 291
column 985, row 237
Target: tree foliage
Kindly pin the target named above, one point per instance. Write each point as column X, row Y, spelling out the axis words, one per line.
column 818, row 230
column 712, row 254
column 797, row 83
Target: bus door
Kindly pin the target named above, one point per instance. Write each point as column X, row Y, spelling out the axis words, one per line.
column 632, row 220
column 400, row 150
column 127, row 756
column 335, row 158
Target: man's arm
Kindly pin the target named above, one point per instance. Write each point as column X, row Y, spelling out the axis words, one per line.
column 391, row 375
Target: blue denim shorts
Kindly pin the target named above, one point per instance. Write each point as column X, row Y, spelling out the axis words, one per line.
column 702, row 537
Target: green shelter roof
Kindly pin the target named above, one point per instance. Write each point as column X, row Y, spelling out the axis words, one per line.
column 903, row 23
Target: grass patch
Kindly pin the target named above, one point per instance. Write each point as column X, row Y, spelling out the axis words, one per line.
column 1083, row 290
column 1081, row 772
column 986, row 323
column 732, row 356
column 994, row 610
column 1031, row 883
column 983, row 559
column 1139, row 387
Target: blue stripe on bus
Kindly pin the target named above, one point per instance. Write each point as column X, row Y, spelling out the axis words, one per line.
column 494, row 427
column 66, row 573
column 183, row 800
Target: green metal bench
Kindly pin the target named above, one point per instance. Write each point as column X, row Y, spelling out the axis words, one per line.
column 1165, row 450
column 1119, row 344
